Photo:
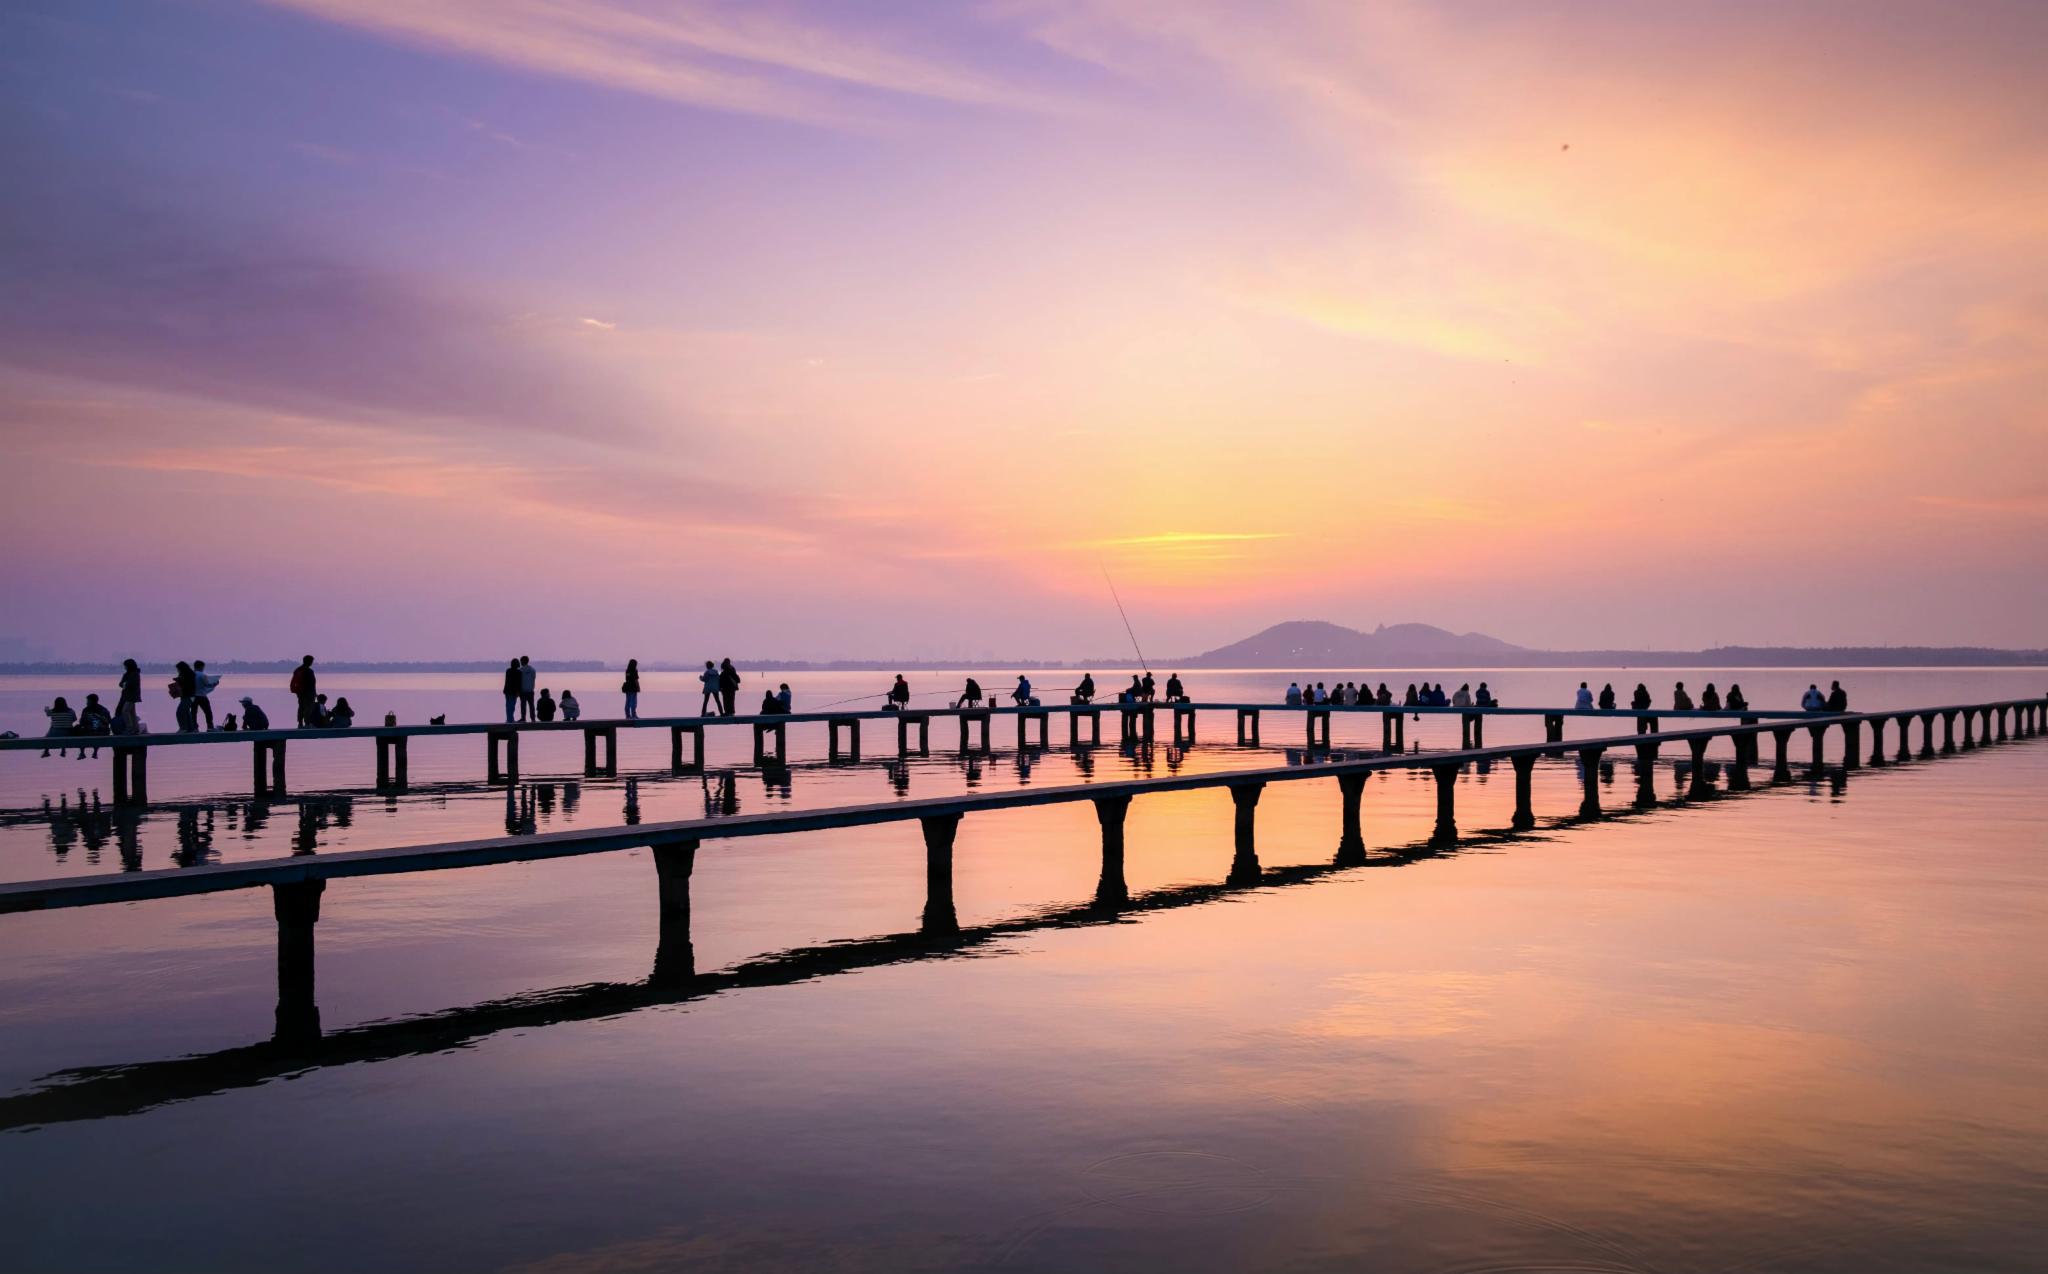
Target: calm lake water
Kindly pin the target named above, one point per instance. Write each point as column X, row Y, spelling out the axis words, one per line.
column 1802, row 1029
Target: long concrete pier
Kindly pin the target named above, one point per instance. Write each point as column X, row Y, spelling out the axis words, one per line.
column 1135, row 722
column 297, row 883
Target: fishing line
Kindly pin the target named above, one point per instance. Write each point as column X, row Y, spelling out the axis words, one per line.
column 1126, row 618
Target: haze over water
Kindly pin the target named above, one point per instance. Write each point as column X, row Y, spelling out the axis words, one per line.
column 1798, row 1030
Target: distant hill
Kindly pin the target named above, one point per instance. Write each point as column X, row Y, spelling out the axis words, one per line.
column 1313, row 643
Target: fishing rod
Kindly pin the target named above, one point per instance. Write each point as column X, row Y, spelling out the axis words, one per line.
column 1126, row 618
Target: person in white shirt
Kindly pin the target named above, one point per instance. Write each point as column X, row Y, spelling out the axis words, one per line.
column 1462, row 699
column 1293, row 699
column 1584, row 698
column 1813, row 700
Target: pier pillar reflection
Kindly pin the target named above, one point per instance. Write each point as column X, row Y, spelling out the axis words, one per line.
column 1818, row 733
column 675, row 957
column 1852, row 745
column 939, row 831
column 1646, row 775
column 1781, row 771
column 297, row 908
column 1525, row 813
column 1699, row 788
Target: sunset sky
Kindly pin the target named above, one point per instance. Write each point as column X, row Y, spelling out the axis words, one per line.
column 458, row 328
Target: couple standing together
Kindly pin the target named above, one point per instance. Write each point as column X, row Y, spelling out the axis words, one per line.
column 721, row 682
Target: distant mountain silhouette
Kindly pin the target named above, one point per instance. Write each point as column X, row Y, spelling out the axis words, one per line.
column 1313, row 643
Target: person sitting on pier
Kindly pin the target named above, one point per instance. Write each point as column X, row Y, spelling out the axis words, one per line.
column 899, row 695
column 544, row 707
column 1411, row 699
column 1462, row 699
column 63, row 723
column 1710, row 699
column 1640, row 701
column 1838, row 698
column 1135, row 692
column 784, row 697
column 1175, row 692
column 1484, row 698
column 571, row 709
column 1147, row 688
column 339, row 717
column 228, row 724
column 1293, row 696
column 1680, row 700
column 1584, row 699
column 94, row 719
column 1385, row 696
column 1607, row 697
column 970, row 695
column 1343, row 694
column 1083, row 693
column 253, row 717
column 1813, row 700
column 770, row 705
column 1735, row 701
column 1021, row 696
column 709, row 680
column 511, row 689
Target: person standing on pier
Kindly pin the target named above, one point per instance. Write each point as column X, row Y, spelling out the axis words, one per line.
column 512, row 689
column 304, row 687
column 709, row 680
column 203, row 687
column 529, row 676
column 728, row 687
column 631, row 689
column 184, row 685
column 1640, row 701
column 131, row 687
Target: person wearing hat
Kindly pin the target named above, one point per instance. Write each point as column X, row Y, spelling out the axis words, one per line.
column 253, row 717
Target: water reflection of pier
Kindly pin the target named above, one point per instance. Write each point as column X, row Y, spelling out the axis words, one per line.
column 299, row 1045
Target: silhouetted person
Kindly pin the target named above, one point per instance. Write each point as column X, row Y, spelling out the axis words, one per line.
column 899, row 694
column 1484, row 698
column 970, row 695
column 529, row 676
column 253, row 717
column 1680, row 700
column 1838, row 698
column 512, row 690
column 1710, row 699
column 1607, row 697
column 1462, row 699
column 1385, row 696
column 1022, row 694
column 544, row 707
column 1736, row 703
column 708, row 679
column 784, row 697
column 1293, row 696
column 182, row 687
column 1583, row 699
column 630, row 687
column 1145, row 688
column 1085, row 692
column 63, row 723
column 571, row 710
column 1813, row 700
column 94, row 720
column 1640, row 701
column 1135, row 692
column 229, row 725
column 1412, row 699
column 130, row 687
column 1175, row 691
column 728, row 687
column 341, row 716
column 305, row 685
column 203, row 686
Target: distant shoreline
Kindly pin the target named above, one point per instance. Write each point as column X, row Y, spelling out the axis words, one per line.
column 1789, row 657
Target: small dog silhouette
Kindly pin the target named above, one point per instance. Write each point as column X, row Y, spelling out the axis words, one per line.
column 440, row 720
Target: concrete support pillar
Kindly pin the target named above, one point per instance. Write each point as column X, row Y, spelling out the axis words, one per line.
column 507, row 770
column 1446, row 833
column 1738, row 774
column 1183, row 725
column 1318, row 728
column 1646, row 775
column 1698, row 789
column 1110, row 890
column 2001, row 723
column 1969, row 734
column 923, row 723
column 1351, row 844
column 131, row 775
column 1818, row 733
column 1905, row 723
column 1751, row 751
column 1024, row 719
column 676, row 734
column 675, row 957
column 267, row 777
column 592, row 736
column 833, row 750
column 1781, row 772
column 297, row 908
column 1074, row 719
column 1852, row 745
column 968, row 720
column 765, row 730
column 1553, row 727
column 1386, row 732
column 1525, row 768
column 939, row 831
column 1948, row 733
column 391, row 763
column 1589, row 764
column 1244, row 864
column 1247, row 727
column 1878, row 755
column 1926, row 735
